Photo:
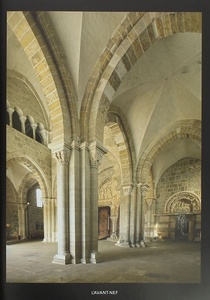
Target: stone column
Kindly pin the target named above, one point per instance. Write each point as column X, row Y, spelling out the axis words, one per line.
column 75, row 203
column 10, row 111
column 149, row 230
column 45, row 202
column 96, row 153
column 23, row 127
column 85, row 202
column 63, row 254
column 144, row 189
column 53, row 215
column 124, row 240
column 138, row 215
column 114, row 228
column 22, row 220
column 133, row 216
column 34, row 126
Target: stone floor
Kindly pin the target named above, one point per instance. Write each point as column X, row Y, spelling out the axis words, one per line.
column 159, row 262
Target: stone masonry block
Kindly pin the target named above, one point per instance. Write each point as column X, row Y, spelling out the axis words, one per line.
column 145, row 40
column 137, row 48
column 131, row 55
column 126, row 62
column 173, row 20
column 180, row 22
column 187, row 21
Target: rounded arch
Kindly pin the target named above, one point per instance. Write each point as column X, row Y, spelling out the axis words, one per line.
column 134, row 36
column 35, row 173
column 190, row 129
column 19, row 111
column 16, row 123
column 25, row 28
column 117, row 124
column 191, row 199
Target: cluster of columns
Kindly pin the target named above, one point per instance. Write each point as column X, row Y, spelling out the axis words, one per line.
column 77, row 202
column 135, row 209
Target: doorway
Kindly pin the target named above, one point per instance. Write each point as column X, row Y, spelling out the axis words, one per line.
column 103, row 222
column 182, row 227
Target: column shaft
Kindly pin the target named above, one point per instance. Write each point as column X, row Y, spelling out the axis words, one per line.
column 75, row 204
column 63, row 254
column 85, row 203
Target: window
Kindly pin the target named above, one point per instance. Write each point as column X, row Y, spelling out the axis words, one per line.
column 39, row 198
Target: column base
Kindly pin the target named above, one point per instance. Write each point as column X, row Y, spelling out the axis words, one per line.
column 123, row 244
column 142, row 244
column 84, row 261
column 62, row 259
column 93, row 257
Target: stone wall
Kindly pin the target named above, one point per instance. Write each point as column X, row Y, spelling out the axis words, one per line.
column 182, row 176
column 20, row 145
column 185, row 175
column 35, row 215
column 11, row 211
column 19, row 95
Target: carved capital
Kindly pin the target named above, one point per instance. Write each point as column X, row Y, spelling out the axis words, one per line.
column 96, row 154
column 127, row 190
column 144, row 189
column 63, row 156
column 149, row 201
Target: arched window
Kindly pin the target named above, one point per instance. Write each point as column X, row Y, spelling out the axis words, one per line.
column 39, row 198
column 38, row 135
column 28, row 128
column 16, row 121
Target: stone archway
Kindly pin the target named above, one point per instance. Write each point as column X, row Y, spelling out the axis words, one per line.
column 184, row 203
column 183, row 209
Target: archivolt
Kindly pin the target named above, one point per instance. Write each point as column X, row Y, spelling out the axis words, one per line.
column 191, row 198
